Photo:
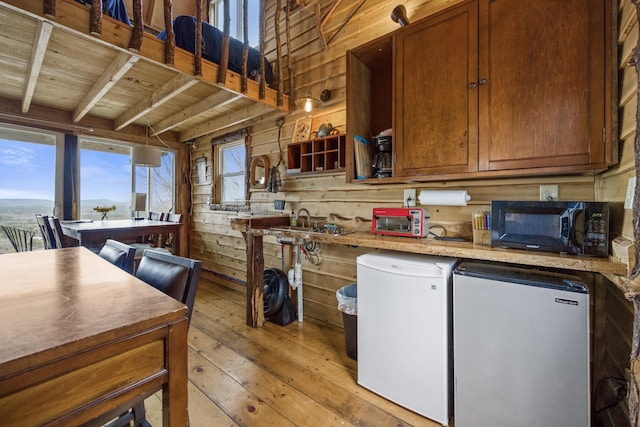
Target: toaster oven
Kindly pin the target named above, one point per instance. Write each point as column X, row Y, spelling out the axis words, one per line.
column 408, row 222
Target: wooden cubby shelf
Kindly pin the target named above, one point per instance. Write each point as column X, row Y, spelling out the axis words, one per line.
column 320, row 155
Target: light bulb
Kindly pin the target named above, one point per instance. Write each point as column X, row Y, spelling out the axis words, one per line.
column 307, row 105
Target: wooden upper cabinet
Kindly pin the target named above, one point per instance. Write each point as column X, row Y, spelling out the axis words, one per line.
column 544, row 101
column 490, row 88
column 436, row 100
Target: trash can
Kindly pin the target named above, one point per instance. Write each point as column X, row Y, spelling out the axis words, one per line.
column 348, row 305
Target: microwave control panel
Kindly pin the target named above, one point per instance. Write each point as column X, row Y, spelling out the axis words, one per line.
column 596, row 231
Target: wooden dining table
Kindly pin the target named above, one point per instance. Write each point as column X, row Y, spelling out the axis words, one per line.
column 80, row 338
column 95, row 233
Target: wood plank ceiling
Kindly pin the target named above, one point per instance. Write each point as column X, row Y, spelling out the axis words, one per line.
column 60, row 65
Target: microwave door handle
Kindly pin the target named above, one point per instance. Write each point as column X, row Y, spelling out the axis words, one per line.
column 571, row 232
column 565, row 226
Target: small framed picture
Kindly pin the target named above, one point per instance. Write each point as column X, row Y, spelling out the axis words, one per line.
column 302, row 129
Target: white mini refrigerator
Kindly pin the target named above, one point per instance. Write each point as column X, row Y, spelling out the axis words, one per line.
column 521, row 348
column 404, row 330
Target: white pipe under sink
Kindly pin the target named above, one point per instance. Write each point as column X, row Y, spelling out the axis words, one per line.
column 295, row 280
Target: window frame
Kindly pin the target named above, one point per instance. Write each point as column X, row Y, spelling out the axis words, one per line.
column 240, row 137
column 59, row 146
column 236, row 20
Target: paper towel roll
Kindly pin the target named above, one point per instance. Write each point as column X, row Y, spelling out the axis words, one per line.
column 444, row 197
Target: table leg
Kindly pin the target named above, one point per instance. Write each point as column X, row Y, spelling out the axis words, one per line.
column 175, row 405
column 255, row 281
column 176, row 243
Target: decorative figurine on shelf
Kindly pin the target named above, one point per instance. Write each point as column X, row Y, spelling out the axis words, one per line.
column 104, row 210
column 326, row 129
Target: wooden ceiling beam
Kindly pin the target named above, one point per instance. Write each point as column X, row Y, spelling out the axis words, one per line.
column 111, row 75
column 217, row 100
column 242, row 115
column 40, row 43
column 170, row 89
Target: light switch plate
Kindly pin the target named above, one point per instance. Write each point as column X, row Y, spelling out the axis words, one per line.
column 548, row 192
column 409, row 198
column 631, row 186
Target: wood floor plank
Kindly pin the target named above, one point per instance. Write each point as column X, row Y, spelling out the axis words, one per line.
column 202, row 411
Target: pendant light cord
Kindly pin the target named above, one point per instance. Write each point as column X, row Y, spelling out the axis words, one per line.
column 279, row 123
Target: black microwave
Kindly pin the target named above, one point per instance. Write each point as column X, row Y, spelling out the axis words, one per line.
column 580, row 228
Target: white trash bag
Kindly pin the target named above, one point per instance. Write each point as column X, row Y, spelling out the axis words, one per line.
column 348, row 299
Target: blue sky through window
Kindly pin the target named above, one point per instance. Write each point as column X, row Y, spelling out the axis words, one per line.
column 105, row 176
column 27, row 170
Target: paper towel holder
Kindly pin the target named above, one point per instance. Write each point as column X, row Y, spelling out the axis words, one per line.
column 444, row 197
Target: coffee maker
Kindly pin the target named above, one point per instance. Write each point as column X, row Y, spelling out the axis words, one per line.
column 382, row 164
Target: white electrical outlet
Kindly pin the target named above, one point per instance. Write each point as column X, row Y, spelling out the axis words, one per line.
column 631, row 187
column 409, row 197
column 548, row 192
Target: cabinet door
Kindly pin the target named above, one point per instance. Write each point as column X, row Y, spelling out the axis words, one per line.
column 544, row 97
column 435, row 126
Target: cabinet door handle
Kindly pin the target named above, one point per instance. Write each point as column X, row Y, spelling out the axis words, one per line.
column 483, row 81
column 471, row 85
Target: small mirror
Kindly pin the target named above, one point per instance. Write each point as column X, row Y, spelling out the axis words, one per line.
column 259, row 171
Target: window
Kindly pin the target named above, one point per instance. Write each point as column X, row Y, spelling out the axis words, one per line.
column 157, row 183
column 107, row 178
column 232, row 173
column 216, row 18
column 28, row 179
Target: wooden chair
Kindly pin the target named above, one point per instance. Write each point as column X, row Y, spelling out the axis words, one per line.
column 21, row 239
column 58, row 236
column 166, row 240
column 119, row 254
column 149, row 241
column 48, row 238
column 177, row 277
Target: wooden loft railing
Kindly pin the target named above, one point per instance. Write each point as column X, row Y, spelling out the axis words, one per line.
column 137, row 38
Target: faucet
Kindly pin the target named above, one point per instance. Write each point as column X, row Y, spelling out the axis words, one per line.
column 308, row 216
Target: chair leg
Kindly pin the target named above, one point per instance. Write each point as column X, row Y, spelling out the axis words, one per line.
column 140, row 416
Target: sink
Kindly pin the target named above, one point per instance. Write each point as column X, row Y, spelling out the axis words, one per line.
column 293, row 228
column 296, row 241
column 324, row 230
column 290, row 240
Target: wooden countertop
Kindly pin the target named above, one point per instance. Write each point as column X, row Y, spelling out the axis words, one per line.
column 431, row 246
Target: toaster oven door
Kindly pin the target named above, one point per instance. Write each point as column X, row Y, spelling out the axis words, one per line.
column 394, row 224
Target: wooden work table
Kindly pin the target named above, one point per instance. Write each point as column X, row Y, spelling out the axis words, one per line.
column 254, row 228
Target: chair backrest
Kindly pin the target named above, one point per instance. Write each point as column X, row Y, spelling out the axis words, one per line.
column 166, row 240
column 156, row 216
column 153, row 239
column 58, row 235
column 119, row 254
column 47, row 233
column 21, row 239
column 172, row 217
column 175, row 276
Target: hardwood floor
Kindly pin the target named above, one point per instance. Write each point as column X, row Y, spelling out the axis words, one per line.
column 297, row 375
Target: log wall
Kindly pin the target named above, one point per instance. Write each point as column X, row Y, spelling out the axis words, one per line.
column 618, row 313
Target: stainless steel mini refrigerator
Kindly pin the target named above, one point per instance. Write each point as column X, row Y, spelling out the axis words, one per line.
column 521, row 348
